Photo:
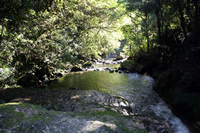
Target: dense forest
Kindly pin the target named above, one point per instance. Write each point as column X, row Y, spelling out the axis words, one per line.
column 163, row 41
column 41, row 36
column 161, row 38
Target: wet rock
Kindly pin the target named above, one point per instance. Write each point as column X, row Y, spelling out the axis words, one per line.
column 99, row 69
column 111, row 71
column 83, row 101
column 119, row 58
column 59, row 75
column 41, row 120
column 119, row 68
column 107, row 62
column 120, row 71
column 157, row 126
column 93, row 113
column 107, row 69
column 76, row 69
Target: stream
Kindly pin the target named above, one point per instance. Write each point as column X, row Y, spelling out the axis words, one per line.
column 135, row 88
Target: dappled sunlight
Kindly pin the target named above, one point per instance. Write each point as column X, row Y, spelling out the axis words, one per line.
column 11, row 103
column 75, row 97
column 97, row 126
column 21, row 100
column 88, row 56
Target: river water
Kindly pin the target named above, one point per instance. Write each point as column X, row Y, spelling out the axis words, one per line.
column 137, row 89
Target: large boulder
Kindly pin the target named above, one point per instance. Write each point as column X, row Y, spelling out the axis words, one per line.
column 83, row 111
column 127, row 65
column 76, row 69
column 118, row 58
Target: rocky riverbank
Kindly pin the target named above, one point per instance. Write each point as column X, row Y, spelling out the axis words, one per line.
column 177, row 84
column 74, row 110
column 77, row 111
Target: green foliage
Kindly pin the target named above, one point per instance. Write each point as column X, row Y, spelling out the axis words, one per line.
column 162, row 39
column 36, row 36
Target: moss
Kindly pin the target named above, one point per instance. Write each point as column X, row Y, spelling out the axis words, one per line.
column 139, row 68
column 87, row 64
column 104, row 113
column 128, row 64
column 164, row 83
column 119, row 58
column 12, row 117
column 21, row 115
column 124, row 128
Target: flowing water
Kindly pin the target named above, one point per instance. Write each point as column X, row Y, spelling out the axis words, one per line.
column 137, row 89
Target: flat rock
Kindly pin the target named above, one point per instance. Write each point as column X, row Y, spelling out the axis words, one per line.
column 78, row 111
column 28, row 118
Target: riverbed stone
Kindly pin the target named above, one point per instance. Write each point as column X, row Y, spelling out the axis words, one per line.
column 86, row 100
column 81, row 111
column 157, row 126
column 41, row 120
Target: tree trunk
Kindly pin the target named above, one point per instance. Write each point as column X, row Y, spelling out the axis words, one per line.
column 158, row 20
column 182, row 20
column 146, row 28
column 1, row 36
column 186, row 37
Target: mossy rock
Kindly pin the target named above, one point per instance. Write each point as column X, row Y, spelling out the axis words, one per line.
column 81, row 61
column 139, row 68
column 87, row 64
column 75, row 69
column 19, row 117
column 128, row 64
column 119, row 58
column 165, row 81
column 28, row 80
